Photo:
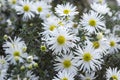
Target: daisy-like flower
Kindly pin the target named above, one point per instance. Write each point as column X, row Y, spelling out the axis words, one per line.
column 101, row 8
column 88, row 76
column 113, row 41
column 62, row 40
column 67, row 63
column 113, row 74
column 41, row 7
column 66, row 10
column 92, row 22
column 26, row 8
column 13, row 3
column 63, row 75
column 88, row 59
column 100, row 46
column 15, row 50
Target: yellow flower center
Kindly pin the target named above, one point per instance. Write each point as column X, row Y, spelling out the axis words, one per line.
column 14, row 1
column 39, row 9
column 66, row 11
column 61, row 39
column 65, row 78
column 43, row 48
column 112, row 43
column 100, row 1
column 26, row 8
column 16, row 53
column 67, row 63
column 96, row 44
column 92, row 22
column 87, row 57
column 114, row 77
column 52, row 27
column 88, row 78
column 75, row 25
column 60, row 23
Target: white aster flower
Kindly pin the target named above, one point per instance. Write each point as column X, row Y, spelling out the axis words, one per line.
column 3, row 74
column 88, row 76
column 113, row 74
column 3, row 63
column 113, row 41
column 62, row 40
column 66, row 10
column 66, row 62
column 26, row 8
column 13, row 3
column 63, row 75
column 92, row 22
column 41, row 7
column 101, row 8
column 88, row 59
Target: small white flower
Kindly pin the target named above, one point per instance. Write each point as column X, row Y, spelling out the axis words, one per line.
column 66, row 10
column 101, row 8
column 113, row 74
column 92, row 22
column 88, row 59
column 66, row 62
column 63, row 75
column 88, row 76
column 26, row 8
column 62, row 40
column 113, row 41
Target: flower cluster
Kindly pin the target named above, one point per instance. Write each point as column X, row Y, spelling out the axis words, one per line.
column 79, row 45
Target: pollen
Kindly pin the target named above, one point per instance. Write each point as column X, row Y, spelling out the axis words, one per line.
column 112, row 43
column 52, row 27
column 67, row 63
column 61, row 39
column 39, row 9
column 114, row 77
column 87, row 57
column 96, row 44
column 26, row 8
column 16, row 53
column 65, row 78
column 92, row 22
column 66, row 11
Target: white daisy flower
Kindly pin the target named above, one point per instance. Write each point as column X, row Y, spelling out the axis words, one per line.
column 26, row 8
column 41, row 7
column 66, row 62
column 88, row 59
column 113, row 74
column 88, row 76
column 66, row 10
column 92, row 22
column 63, row 75
column 13, row 3
column 62, row 40
column 101, row 8
column 15, row 50
column 113, row 41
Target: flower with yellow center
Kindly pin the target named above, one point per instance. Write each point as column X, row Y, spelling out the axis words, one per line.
column 88, row 76
column 64, row 75
column 112, row 74
column 66, row 62
column 66, row 10
column 92, row 22
column 88, row 58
